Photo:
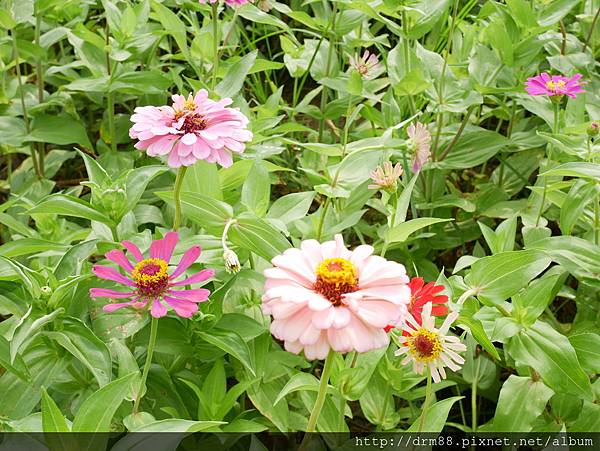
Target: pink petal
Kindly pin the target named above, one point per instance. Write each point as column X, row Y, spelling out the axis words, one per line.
column 112, row 294
column 190, row 256
column 133, row 250
column 118, row 256
column 197, row 295
column 182, row 308
column 112, row 307
column 196, row 278
column 158, row 310
column 169, row 242
column 108, row 273
column 156, row 249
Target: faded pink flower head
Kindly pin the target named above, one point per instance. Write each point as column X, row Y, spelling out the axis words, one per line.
column 555, row 85
column 386, row 177
column 420, row 143
column 148, row 279
column 324, row 296
column 368, row 66
column 193, row 129
column 229, row 2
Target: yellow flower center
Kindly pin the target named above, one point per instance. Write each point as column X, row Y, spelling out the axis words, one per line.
column 336, row 277
column 554, row 85
column 151, row 277
column 188, row 106
column 424, row 345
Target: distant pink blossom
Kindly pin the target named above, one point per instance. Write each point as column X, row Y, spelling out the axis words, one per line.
column 324, row 296
column 196, row 128
column 555, row 85
column 420, row 142
column 386, row 177
column 148, row 280
column 367, row 66
column 229, row 2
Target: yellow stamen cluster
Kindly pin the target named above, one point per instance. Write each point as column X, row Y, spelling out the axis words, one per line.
column 188, row 105
column 337, row 271
column 553, row 85
column 425, row 345
column 143, row 278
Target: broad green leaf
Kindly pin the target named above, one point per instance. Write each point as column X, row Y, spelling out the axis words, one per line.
column 97, row 411
column 521, row 401
column 531, row 302
column 587, row 347
column 258, row 236
column 52, row 418
column 28, row 329
column 27, row 276
column 62, row 204
column 472, row 149
column 204, row 211
column 498, row 277
column 579, row 169
column 17, row 366
column 299, row 381
column 551, row 354
column 580, row 195
column 436, row 416
column 61, row 129
column 404, row 201
column 478, row 332
column 402, row 231
column 15, row 225
column 230, row 342
column 136, row 182
column 203, row 178
column 26, row 246
column 236, row 74
column 555, row 11
column 256, row 191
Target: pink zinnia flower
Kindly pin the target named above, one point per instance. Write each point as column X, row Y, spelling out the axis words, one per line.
column 367, row 66
column 386, row 177
column 323, row 296
column 555, row 85
column 229, row 2
column 194, row 129
column 420, row 142
column 148, row 279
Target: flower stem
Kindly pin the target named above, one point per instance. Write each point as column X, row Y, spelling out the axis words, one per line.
column 314, row 416
column 554, row 130
column 151, row 344
column 215, row 24
column 474, row 397
column 177, row 196
column 426, row 403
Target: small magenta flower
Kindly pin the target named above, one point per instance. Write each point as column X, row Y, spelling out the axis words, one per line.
column 593, row 129
column 420, row 143
column 368, row 66
column 196, row 128
column 149, row 280
column 386, row 177
column 229, row 2
column 555, row 85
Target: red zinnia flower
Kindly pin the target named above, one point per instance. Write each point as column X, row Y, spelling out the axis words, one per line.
column 421, row 294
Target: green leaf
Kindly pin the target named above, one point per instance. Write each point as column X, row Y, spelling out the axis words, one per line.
column 204, row 211
column 17, row 366
column 236, row 74
column 136, row 182
column 531, row 302
column 27, row 329
column 52, row 418
column 587, row 346
column 259, row 237
column 291, row 207
column 26, row 246
column 299, row 381
column 436, row 416
column 97, row 411
column 62, row 204
column 231, row 343
column 553, row 357
column 572, row 209
column 177, row 425
column 203, row 178
column 404, row 201
column 402, row 231
column 256, row 191
column 555, row 11
column 521, row 401
column 578, row 169
column 86, row 347
column 478, row 332
column 61, row 129
column 472, row 149
column 500, row 276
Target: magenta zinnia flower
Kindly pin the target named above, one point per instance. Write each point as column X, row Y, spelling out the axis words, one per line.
column 148, row 279
column 194, row 129
column 555, row 85
column 229, row 2
column 323, row 296
column 420, row 142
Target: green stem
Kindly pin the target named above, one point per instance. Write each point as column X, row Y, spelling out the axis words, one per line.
column 314, row 415
column 324, row 92
column 151, row 344
column 322, row 219
column 110, row 111
column 215, row 24
column 474, row 397
column 555, row 127
column 426, row 403
column 177, row 196
column 596, row 221
column 40, row 85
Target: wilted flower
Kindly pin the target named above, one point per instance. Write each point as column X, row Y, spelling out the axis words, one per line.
column 386, row 177
column 555, row 85
column 420, row 143
column 194, row 129
column 593, row 129
column 149, row 280
column 427, row 346
column 229, row 2
column 420, row 294
column 323, row 296
column 368, row 66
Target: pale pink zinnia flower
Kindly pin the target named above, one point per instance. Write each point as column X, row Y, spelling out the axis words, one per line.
column 427, row 346
column 148, row 279
column 420, row 142
column 194, row 129
column 368, row 66
column 229, row 2
column 555, row 85
column 324, row 296
column 386, row 177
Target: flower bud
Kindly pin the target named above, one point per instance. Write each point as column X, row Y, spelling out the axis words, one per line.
column 232, row 262
column 594, row 129
column 45, row 291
